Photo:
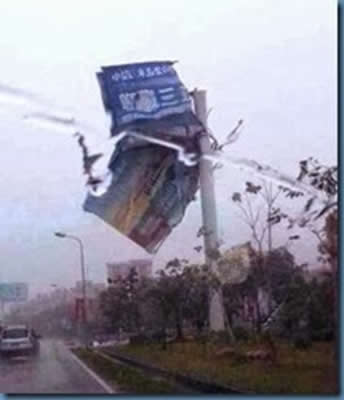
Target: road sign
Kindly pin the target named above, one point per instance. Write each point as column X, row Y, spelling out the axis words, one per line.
column 13, row 292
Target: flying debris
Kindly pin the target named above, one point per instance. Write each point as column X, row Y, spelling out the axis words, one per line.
column 148, row 194
column 88, row 160
column 154, row 169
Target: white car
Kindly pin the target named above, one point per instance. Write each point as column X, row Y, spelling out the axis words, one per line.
column 18, row 340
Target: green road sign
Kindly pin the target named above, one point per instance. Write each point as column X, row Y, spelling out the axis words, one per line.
column 13, row 292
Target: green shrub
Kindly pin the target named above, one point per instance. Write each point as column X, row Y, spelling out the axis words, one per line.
column 241, row 333
column 302, row 341
column 220, row 337
column 139, row 339
column 325, row 334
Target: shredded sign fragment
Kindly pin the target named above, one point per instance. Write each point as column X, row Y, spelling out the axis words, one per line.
column 148, row 194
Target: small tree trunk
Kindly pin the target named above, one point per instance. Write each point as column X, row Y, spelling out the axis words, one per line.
column 178, row 324
column 164, row 338
column 335, row 317
column 258, row 313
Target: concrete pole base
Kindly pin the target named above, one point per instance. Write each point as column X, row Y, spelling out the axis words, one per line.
column 217, row 322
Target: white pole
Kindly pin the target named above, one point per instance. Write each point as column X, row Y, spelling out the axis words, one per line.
column 208, row 207
column 2, row 310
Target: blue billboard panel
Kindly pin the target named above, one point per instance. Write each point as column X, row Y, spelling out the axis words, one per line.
column 146, row 96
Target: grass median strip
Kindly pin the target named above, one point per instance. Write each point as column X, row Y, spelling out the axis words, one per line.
column 130, row 380
column 297, row 371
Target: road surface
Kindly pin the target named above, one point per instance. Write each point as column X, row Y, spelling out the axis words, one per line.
column 54, row 370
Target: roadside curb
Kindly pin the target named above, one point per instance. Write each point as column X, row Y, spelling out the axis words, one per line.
column 108, row 389
column 193, row 382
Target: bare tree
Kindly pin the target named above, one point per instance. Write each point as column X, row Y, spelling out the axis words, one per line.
column 261, row 227
column 258, row 206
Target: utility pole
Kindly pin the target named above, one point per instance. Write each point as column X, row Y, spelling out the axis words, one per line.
column 208, row 207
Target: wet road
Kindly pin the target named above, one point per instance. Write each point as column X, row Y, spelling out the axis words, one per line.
column 54, row 370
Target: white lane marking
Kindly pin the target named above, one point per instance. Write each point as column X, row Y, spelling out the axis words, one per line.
column 100, row 381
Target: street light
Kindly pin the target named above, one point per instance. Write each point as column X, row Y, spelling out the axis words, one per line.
column 82, row 266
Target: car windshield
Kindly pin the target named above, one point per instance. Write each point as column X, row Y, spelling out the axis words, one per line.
column 15, row 333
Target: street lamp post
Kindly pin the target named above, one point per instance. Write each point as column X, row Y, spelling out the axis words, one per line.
column 83, row 283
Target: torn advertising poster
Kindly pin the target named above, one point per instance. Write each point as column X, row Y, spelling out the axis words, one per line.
column 149, row 192
column 147, row 96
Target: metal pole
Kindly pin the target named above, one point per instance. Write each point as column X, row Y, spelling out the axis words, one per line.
column 83, row 277
column 82, row 327
column 83, row 288
column 2, row 309
column 208, row 207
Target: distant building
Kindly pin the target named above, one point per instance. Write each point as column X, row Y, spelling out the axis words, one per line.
column 120, row 270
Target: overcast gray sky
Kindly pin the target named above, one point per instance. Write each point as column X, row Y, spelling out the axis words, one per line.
column 271, row 63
